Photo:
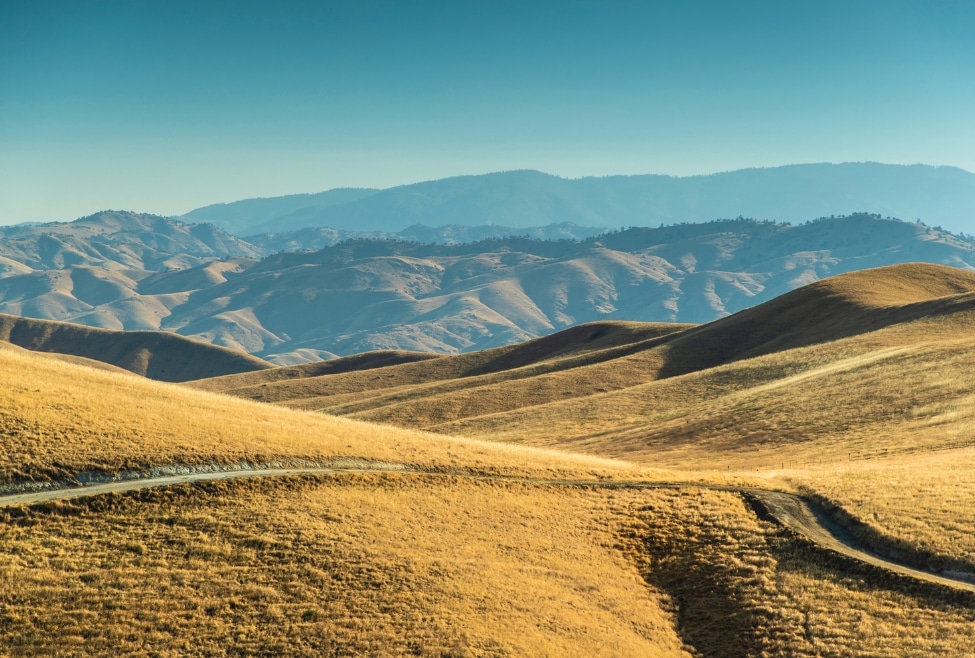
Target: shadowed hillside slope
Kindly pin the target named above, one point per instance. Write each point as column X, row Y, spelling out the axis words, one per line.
column 153, row 354
column 838, row 307
column 585, row 344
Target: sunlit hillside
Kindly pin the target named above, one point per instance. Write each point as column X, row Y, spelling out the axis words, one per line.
column 397, row 562
column 816, row 374
column 305, row 302
column 840, row 388
column 435, row 544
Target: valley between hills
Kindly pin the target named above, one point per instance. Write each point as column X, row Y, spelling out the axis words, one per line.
column 486, row 503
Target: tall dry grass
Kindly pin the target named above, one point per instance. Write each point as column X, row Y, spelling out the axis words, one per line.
column 57, row 419
column 368, row 565
column 917, row 505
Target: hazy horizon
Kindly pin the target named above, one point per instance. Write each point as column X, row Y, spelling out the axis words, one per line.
column 164, row 107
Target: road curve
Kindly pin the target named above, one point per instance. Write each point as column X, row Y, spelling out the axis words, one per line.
column 789, row 510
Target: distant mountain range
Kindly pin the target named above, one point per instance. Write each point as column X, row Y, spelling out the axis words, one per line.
column 310, row 239
column 942, row 196
column 119, row 270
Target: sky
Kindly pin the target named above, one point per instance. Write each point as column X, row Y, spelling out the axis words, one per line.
column 162, row 107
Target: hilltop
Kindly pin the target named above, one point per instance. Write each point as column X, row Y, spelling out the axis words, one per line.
column 117, row 240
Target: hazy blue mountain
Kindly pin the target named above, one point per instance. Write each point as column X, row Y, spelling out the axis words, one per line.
column 247, row 216
column 117, row 240
column 94, row 270
column 942, row 196
column 318, row 238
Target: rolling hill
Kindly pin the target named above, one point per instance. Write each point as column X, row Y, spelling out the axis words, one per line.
column 841, row 386
column 313, row 239
column 244, row 217
column 667, row 393
column 154, row 354
column 117, row 240
column 366, row 295
column 145, row 517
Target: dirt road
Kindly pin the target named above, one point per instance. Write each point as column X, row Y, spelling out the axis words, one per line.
column 789, row 510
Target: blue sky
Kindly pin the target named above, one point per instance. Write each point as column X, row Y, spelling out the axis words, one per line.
column 166, row 106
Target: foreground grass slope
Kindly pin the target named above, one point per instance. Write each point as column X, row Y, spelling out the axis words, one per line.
column 407, row 565
column 58, row 419
column 353, row 564
column 349, row 566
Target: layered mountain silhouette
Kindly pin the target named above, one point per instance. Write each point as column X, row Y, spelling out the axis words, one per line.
column 312, row 238
column 519, row 199
column 138, row 272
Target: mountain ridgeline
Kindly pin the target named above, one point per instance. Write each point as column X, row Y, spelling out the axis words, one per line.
column 941, row 196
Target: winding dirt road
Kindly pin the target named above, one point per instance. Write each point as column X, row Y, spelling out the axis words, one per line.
column 789, row 510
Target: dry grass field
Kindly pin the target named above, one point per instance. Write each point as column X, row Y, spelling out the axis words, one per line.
column 918, row 504
column 857, row 392
column 407, row 565
column 370, row 565
column 59, row 419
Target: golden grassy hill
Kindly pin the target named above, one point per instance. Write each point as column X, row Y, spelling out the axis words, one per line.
column 398, row 563
column 354, row 363
column 153, row 354
column 63, row 358
column 570, row 386
column 827, row 386
column 596, row 344
column 890, row 366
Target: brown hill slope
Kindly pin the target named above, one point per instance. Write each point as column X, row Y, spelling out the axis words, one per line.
column 449, row 389
column 585, row 344
column 827, row 310
column 64, row 358
column 400, row 563
column 902, row 386
column 613, row 400
column 831, row 386
column 153, row 354
column 354, row 363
